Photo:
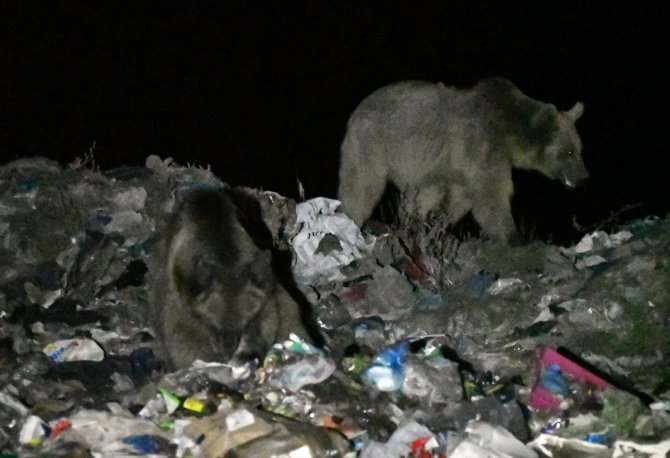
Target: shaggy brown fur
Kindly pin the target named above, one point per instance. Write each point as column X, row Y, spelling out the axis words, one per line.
column 455, row 148
column 218, row 290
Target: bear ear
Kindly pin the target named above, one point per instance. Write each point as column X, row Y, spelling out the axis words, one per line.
column 249, row 215
column 575, row 112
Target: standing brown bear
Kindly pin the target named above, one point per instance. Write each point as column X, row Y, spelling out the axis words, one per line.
column 455, row 148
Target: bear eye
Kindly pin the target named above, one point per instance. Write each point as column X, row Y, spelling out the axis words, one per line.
column 569, row 153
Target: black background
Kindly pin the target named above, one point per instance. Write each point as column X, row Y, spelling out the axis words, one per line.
column 262, row 90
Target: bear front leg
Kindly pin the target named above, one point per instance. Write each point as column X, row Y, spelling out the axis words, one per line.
column 359, row 193
column 496, row 221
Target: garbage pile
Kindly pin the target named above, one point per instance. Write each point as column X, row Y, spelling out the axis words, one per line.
column 436, row 347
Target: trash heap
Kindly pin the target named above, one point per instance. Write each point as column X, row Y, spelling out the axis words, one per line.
column 437, row 347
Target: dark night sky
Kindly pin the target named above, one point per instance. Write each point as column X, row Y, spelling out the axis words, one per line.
column 262, row 90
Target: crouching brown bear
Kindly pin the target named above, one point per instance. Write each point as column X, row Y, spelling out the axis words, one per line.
column 219, row 291
column 455, row 149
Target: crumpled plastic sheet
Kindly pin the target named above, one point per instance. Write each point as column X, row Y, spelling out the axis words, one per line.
column 480, row 439
column 241, row 431
column 548, row 444
column 491, row 441
column 597, row 240
column 74, row 350
column 103, row 430
column 623, row 449
column 316, row 218
column 399, row 442
column 504, row 285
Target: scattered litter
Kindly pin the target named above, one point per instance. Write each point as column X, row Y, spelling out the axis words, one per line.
column 34, row 431
column 74, row 350
column 479, row 285
column 502, row 285
column 485, row 439
column 400, row 442
column 558, row 378
column 317, row 219
column 623, row 449
column 469, row 350
column 597, row 241
column 387, row 372
column 308, row 370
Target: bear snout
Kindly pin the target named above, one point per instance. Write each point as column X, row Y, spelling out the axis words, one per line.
column 573, row 177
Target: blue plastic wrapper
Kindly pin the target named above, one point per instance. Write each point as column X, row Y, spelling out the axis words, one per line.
column 26, row 186
column 368, row 323
column 598, row 268
column 556, row 382
column 142, row 443
column 478, row 284
column 143, row 361
column 387, row 373
column 99, row 221
column 429, row 301
column 597, row 438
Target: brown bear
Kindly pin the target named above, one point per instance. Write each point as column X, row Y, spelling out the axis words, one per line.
column 219, row 291
column 454, row 148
